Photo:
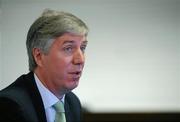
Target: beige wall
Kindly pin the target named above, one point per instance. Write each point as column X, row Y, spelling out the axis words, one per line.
column 133, row 55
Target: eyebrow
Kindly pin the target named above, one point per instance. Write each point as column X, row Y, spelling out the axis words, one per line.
column 85, row 42
column 71, row 41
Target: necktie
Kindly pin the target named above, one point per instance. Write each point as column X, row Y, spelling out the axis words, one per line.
column 60, row 113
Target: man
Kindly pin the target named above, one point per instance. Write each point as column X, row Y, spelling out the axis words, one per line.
column 56, row 44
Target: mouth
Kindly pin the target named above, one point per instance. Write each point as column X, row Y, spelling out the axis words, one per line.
column 75, row 74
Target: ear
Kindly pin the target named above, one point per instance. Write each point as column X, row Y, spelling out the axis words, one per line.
column 37, row 54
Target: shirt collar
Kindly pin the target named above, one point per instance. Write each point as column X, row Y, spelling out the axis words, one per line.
column 49, row 99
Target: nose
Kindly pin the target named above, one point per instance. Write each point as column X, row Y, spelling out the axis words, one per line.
column 78, row 57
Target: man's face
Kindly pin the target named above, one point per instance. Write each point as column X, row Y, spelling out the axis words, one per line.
column 62, row 67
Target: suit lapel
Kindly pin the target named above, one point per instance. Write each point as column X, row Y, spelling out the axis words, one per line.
column 35, row 96
column 67, row 111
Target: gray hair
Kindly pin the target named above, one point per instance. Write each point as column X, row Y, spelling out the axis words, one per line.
column 49, row 26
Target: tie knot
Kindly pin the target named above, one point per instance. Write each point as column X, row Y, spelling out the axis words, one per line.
column 59, row 106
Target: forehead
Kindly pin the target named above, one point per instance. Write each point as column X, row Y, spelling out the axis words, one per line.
column 73, row 38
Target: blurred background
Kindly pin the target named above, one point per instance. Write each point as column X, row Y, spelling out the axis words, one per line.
column 133, row 54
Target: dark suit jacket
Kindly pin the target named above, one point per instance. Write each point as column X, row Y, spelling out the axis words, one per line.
column 22, row 102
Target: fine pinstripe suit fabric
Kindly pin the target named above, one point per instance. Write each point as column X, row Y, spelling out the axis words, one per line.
column 22, row 102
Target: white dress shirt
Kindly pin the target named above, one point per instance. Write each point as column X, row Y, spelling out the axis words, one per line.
column 49, row 99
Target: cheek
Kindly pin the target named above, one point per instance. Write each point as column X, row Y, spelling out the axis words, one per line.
column 61, row 64
column 58, row 62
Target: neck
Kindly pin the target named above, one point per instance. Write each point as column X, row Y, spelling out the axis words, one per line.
column 46, row 83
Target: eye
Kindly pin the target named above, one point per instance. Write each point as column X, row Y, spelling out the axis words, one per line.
column 83, row 48
column 68, row 49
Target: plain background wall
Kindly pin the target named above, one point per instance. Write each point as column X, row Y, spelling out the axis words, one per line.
column 133, row 55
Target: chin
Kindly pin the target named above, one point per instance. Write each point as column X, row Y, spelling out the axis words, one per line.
column 73, row 85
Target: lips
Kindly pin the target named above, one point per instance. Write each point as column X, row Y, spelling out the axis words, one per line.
column 75, row 74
